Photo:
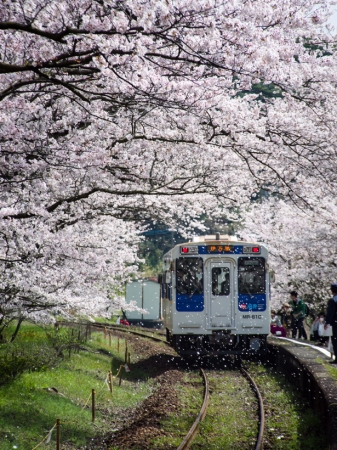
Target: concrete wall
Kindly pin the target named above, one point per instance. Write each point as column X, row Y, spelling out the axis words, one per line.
column 306, row 368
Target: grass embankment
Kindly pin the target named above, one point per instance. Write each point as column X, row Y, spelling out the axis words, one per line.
column 59, row 384
column 31, row 402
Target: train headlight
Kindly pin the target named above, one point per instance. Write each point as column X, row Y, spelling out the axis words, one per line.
column 190, row 249
column 247, row 249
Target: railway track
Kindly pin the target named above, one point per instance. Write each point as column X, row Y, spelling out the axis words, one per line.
column 259, row 440
column 192, row 433
column 154, row 336
column 203, row 411
column 126, row 329
column 190, row 436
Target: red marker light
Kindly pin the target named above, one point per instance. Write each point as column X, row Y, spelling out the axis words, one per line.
column 255, row 249
column 184, row 250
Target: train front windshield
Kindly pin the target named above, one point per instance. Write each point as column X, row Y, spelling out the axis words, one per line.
column 251, row 276
column 190, row 276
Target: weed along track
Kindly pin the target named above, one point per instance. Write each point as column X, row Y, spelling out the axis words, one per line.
column 84, row 388
column 207, row 438
column 150, row 334
column 202, row 413
column 233, row 415
column 255, row 408
column 212, row 410
column 215, row 408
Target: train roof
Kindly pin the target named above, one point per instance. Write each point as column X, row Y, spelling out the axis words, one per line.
column 219, row 239
column 215, row 240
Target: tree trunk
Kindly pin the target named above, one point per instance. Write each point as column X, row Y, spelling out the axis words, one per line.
column 17, row 329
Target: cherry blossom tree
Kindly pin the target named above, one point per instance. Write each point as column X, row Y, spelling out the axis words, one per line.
column 113, row 112
column 302, row 246
column 70, row 272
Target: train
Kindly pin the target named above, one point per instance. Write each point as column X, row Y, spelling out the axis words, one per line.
column 145, row 293
column 215, row 294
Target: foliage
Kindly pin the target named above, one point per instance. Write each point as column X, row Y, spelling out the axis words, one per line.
column 302, row 246
column 62, row 339
column 15, row 359
column 159, row 240
column 116, row 113
column 31, row 353
column 31, row 403
column 263, row 91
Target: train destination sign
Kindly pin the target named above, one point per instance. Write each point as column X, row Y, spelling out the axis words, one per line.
column 220, row 248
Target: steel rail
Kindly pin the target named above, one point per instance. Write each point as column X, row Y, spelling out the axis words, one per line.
column 259, row 441
column 121, row 328
column 190, row 436
column 194, row 428
column 127, row 329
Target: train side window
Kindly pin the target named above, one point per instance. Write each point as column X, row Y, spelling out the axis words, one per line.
column 189, row 273
column 251, row 275
column 164, row 286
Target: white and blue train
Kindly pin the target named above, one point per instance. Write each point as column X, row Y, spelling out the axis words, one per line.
column 215, row 294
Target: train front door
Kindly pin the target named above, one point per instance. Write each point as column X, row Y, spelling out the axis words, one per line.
column 219, row 292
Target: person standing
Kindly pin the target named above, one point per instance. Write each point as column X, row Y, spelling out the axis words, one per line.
column 299, row 311
column 331, row 319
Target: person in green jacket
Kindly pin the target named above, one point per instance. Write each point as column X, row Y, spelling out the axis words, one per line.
column 299, row 311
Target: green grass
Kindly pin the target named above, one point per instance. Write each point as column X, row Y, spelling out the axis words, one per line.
column 177, row 426
column 231, row 421
column 29, row 332
column 232, row 409
column 331, row 368
column 112, row 319
column 29, row 408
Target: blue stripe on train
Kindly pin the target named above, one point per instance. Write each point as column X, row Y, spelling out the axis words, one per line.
column 185, row 302
column 256, row 302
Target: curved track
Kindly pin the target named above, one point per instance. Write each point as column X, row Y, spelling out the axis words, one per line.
column 194, row 428
column 203, row 411
column 259, row 441
column 127, row 329
column 124, row 329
